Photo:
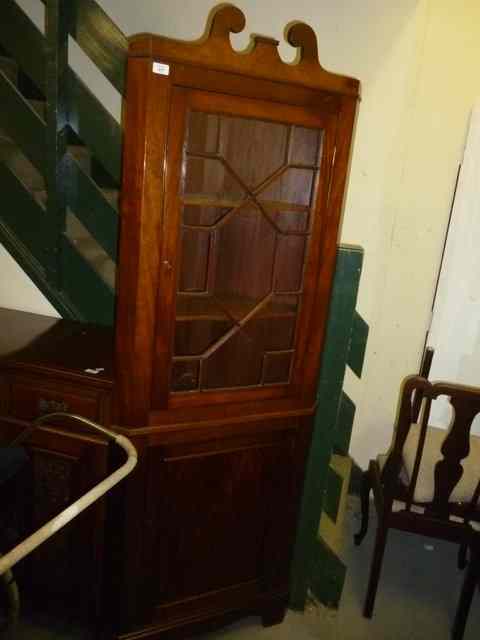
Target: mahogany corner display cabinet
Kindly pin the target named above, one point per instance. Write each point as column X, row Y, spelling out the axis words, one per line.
column 234, row 172
column 233, row 181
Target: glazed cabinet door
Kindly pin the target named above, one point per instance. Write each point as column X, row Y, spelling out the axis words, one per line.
column 220, row 522
column 246, row 198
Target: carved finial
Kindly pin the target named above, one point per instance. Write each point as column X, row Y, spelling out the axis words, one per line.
column 226, row 19
column 265, row 49
column 301, row 35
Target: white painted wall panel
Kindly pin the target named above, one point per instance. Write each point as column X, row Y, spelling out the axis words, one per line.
column 455, row 331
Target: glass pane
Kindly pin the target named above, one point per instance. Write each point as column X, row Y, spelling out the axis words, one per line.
column 185, row 375
column 245, row 257
column 198, row 216
column 276, row 367
column 194, row 266
column 203, row 132
column 236, row 363
column 200, row 324
column 247, row 194
column 293, row 186
column 212, row 183
column 253, row 149
column 273, row 326
column 289, row 264
column 305, row 146
column 288, row 221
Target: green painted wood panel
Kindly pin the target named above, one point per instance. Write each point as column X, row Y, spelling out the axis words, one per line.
column 95, row 126
column 333, row 492
column 343, row 432
column 23, row 215
column 36, row 237
column 328, row 575
column 329, row 393
column 22, row 123
column 24, row 258
column 101, row 40
column 56, row 33
column 85, row 288
column 23, row 41
column 359, row 342
column 86, row 200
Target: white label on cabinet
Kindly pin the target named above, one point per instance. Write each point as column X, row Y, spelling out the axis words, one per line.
column 161, row 68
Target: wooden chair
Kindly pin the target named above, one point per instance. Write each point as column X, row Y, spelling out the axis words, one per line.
column 429, row 482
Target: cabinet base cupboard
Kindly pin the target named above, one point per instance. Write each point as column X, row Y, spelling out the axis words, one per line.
column 234, row 172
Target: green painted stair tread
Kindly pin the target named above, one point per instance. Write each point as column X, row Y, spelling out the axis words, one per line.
column 28, row 232
column 95, row 126
column 343, row 433
column 332, row 494
column 29, row 48
column 83, row 156
column 13, row 158
column 27, row 128
column 358, row 344
column 94, row 297
column 327, row 576
column 9, row 68
column 41, row 197
column 113, row 197
column 85, row 244
column 101, row 39
column 331, row 529
column 93, row 206
column 90, row 250
column 327, row 568
column 39, row 106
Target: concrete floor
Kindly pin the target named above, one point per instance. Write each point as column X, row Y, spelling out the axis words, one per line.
column 416, row 600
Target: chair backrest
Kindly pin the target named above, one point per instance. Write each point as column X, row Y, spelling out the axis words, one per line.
column 465, row 404
column 424, row 373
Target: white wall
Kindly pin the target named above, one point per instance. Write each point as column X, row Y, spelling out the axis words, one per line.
column 445, row 82
column 17, row 291
column 419, row 63
column 455, row 330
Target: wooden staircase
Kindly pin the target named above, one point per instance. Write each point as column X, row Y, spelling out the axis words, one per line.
column 60, row 155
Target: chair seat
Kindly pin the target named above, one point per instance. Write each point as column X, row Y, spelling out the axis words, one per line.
column 424, row 489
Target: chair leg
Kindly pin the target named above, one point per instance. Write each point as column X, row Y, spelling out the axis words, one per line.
column 379, row 550
column 471, row 579
column 365, row 505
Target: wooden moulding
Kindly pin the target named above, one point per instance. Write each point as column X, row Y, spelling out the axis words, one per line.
column 260, row 60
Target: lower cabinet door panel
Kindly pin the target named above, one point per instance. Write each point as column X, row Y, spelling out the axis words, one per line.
column 220, row 520
column 65, row 571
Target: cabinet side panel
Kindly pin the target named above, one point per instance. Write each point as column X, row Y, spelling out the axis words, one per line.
column 148, row 101
column 318, row 319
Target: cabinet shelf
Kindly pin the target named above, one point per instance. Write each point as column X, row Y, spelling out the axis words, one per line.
column 202, row 200
column 223, row 308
